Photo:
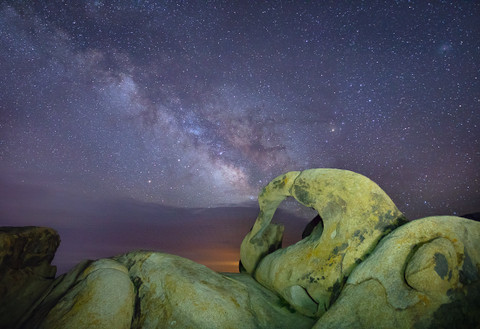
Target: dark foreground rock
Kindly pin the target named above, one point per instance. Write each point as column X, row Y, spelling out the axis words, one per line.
column 25, row 270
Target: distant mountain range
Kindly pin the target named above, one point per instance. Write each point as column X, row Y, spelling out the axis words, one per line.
column 474, row 216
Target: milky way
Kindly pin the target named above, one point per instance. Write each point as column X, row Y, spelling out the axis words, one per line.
column 200, row 104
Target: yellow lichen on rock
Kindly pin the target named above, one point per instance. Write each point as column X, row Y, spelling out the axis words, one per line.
column 356, row 213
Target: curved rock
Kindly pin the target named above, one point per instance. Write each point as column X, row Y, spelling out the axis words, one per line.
column 102, row 297
column 174, row 292
column 424, row 274
column 356, row 213
column 145, row 289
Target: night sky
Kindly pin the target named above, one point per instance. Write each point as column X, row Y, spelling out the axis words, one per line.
column 154, row 124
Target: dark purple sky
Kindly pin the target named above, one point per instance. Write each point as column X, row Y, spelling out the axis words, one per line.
column 154, row 124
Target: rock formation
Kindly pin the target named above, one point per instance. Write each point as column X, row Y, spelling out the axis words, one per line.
column 355, row 212
column 173, row 292
column 25, row 270
column 424, row 274
column 154, row 290
column 359, row 265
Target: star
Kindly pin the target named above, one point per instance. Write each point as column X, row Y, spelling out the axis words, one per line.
column 207, row 102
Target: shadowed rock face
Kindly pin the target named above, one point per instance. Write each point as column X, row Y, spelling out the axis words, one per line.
column 25, row 270
column 355, row 213
column 315, row 225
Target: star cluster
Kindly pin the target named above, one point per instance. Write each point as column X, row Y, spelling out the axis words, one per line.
column 200, row 104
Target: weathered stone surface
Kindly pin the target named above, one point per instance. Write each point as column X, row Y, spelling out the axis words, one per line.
column 50, row 298
column 25, row 270
column 173, row 292
column 102, row 297
column 356, row 213
column 156, row 291
column 348, row 271
column 424, row 274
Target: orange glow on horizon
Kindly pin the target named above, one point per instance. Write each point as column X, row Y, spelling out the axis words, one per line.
column 219, row 260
